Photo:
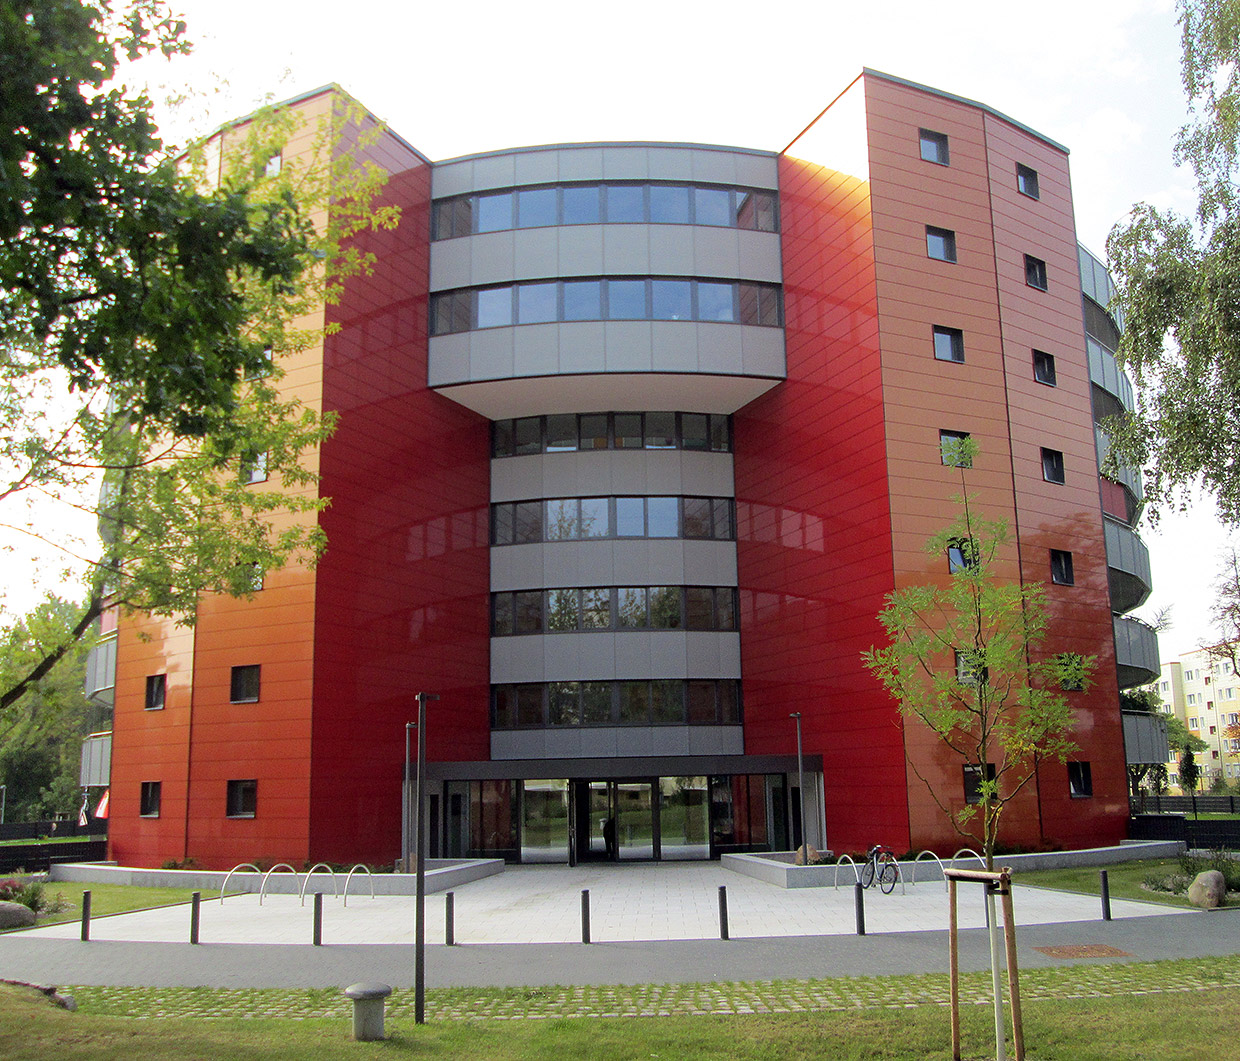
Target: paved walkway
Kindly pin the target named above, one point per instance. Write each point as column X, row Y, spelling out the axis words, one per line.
column 656, row 923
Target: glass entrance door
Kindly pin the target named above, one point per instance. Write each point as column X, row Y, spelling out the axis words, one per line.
column 614, row 820
column 634, row 819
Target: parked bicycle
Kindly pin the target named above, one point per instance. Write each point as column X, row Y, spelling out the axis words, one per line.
column 880, row 864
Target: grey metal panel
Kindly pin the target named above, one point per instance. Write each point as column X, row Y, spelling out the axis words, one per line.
column 670, row 163
column 1104, row 371
column 536, row 254
column 626, row 250
column 101, row 667
column 451, row 261
column 667, row 655
column 492, row 256
column 448, row 359
column 628, row 346
column 537, row 167
column 579, row 563
column 580, row 249
column 492, row 353
column 760, row 256
column 518, row 567
column 721, row 347
column 1126, row 550
column 713, row 473
column 714, row 167
column 757, row 171
column 535, row 349
column 670, row 740
column 1145, row 738
column 495, row 171
column 674, row 346
column 96, row 762
column 626, row 163
column 580, row 163
column 671, row 250
column 709, row 563
column 763, row 351
column 583, row 347
column 563, row 743
column 717, row 740
column 667, row 766
column 633, row 655
column 717, row 252
column 452, row 178
column 520, row 744
column 1136, row 651
column 611, row 656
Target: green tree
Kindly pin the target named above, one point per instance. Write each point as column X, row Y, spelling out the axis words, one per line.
column 1190, row 772
column 145, row 306
column 1178, row 282
column 964, row 659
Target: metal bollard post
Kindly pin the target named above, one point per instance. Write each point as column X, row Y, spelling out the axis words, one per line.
column 585, row 915
column 449, row 911
column 318, row 919
column 85, row 916
column 859, row 892
column 195, row 903
column 723, row 912
column 1106, row 896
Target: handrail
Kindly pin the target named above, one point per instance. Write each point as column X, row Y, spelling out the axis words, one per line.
column 240, row 865
column 267, row 876
column 350, row 877
column 936, row 859
column 306, row 882
column 856, row 873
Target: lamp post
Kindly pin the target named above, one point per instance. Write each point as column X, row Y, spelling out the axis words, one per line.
column 4, row 798
column 796, row 716
column 419, row 921
column 406, row 836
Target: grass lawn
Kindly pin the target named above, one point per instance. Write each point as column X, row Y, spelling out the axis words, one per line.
column 51, row 840
column 109, row 899
column 1124, row 880
column 1197, row 1024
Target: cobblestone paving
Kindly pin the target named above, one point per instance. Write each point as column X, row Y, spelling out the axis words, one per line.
column 654, row 1000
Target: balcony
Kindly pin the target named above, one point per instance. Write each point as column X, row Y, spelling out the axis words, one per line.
column 1105, row 373
column 1128, row 567
column 1128, row 476
column 1136, row 651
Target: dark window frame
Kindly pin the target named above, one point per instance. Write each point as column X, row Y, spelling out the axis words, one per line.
column 1035, row 273
column 156, row 691
column 945, row 438
column 241, row 798
column 1080, row 779
column 1053, row 470
column 952, row 343
column 149, row 797
column 506, row 519
column 1044, row 368
column 947, row 238
column 642, row 694
column 971, row 776
column 1027, row 181
column 1062, row 573
column 934, row 147
column 242, row 679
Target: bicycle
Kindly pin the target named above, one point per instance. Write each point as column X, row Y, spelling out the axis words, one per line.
column 880, row 863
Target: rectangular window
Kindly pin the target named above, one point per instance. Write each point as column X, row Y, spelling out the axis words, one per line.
column 242, row 798
column 494, row 307
column 254, row 468
column 949, row 344
column 961, row 554
column 1080, row 781
column 934, row 147
column 1044, row 368
column 1027, row 181
column 665, row 608
column 156, row 689
column 967, row 670
column 626, row 203
column 951, row 451
column 245, row 684
column 1052, row 466
column 973, row 781
column 1035, row 272
column 274, row 165
column 148, row 803
column 940, row 244
column 582, row 204
column 1061, row 568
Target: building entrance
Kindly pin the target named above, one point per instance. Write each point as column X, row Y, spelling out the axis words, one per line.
column 613, row 821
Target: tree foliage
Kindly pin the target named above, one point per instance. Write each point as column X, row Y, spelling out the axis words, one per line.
column 964, row 660
column 1178, row 282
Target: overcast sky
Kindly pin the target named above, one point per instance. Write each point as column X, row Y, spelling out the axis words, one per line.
column 1099, row 76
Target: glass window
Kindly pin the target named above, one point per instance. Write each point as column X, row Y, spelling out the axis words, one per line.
column 625, row 202
column 725, row 608
column 1035, row 272
column 505, row 707
column 973, row 781
column 755, row 210
column 242, row 798
column 634, row 703
column 629, row 433
column 631, row 607
column 663, row 516
column 596, row 703
column 564, row 706
column 583, row 300
column 156, row 690
column 671, row 300
column 494, row 212
column 494, row 307
column 702, row 710
column 148, row 805
column 626, row 300
column 1044, row 368
column 501, row 524
column 1080, row 781
column 527, row 612
column 721, row 510
column 596, row 609
column 729, row 703
column 667, row 702
column 720, row 433
column 245, row 684
column 951, row 450
column 562, row 521
column 699, row 608
column 660, row 431
column 562, row 614
column 530, row 705
column 695, row 431
column 669, row 204
column 949, row 344
column 712, row 206
column 934, row 147
column 527, row 434
column 501, row 614
column 630, row 517
column 536, row 303
column 527, row 522
column 715, row 302
column 594, row 519
column 697, row 517
column 501, row 438
column 1027, row 181
column 940, row 244
column 1061, row 568
column 961, row 554
column 561, row 433
column 536, row 207
column 582, row 204
column 593, row 431
column 665, row 608
column 768, row 307
column 1052, row 466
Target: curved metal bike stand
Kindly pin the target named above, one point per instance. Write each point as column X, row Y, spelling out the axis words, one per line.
column 267, row 876
column 306, row 882
column 243, row 865
column 967, row 851
column 350, row 877
column 899, row 874
column 838, row 861
column 922, row 854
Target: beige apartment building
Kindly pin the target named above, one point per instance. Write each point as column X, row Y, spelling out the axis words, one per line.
column 1204, row 693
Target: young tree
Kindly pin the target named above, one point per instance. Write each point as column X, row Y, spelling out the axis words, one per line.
column 964, row 660
column 1190, row 772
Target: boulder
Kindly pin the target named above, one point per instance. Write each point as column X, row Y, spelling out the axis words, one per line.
column 807, row 855
column 15, row 915
column 1208, row 890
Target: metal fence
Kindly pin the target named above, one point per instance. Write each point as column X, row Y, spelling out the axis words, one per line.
column 1151, row 804
column 61, row 827
column 1215, row 835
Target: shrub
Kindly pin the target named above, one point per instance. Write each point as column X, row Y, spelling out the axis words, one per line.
column 1229, row 867
column 27, row 891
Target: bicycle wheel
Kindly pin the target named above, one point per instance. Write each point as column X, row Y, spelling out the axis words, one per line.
column 867, row 874
column 887, row 875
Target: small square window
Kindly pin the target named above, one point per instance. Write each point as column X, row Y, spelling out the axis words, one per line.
column 934, row 147
column 156, row 688
column 961, row 554
column 941, row 244
column 274, row 165
column 245, row 684
column 1052, row 466
column 242, row 798
column 948, row 344
column 1044, row 368
column 254, row 468
column 1080, row 782
column 951, row 450
column 973, row 781
column 1027, row 181
column 967, row 670
column 148, row 805
column 1035, row 272
column 1061, row 568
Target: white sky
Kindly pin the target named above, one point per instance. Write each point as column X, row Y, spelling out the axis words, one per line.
column 1099, row 76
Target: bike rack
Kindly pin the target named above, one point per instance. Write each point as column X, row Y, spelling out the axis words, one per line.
column 306, row 883
column 838, row 862
column 243, row 865
column 922, row 854
column 267, row 876
column 967, row 851
column 350, row 877
column 899, row 874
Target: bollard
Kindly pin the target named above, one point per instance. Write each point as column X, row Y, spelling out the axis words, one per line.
column 318, row 930
column 723, row 912
column 195, row 902
column 367, row 1008
column 860, row 903
column 449, row 929
column 585, row 915
column 85, row 916
column 1106, row 896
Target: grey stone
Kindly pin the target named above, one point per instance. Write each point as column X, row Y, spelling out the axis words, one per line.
column 368, row 999
column 1208, row 890
column 15, row 915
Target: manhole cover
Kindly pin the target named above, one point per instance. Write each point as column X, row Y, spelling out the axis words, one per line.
column 1083, row 950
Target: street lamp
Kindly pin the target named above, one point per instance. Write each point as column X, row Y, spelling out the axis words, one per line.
column 419, row 921
column 4, row 797
column 796, row 715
